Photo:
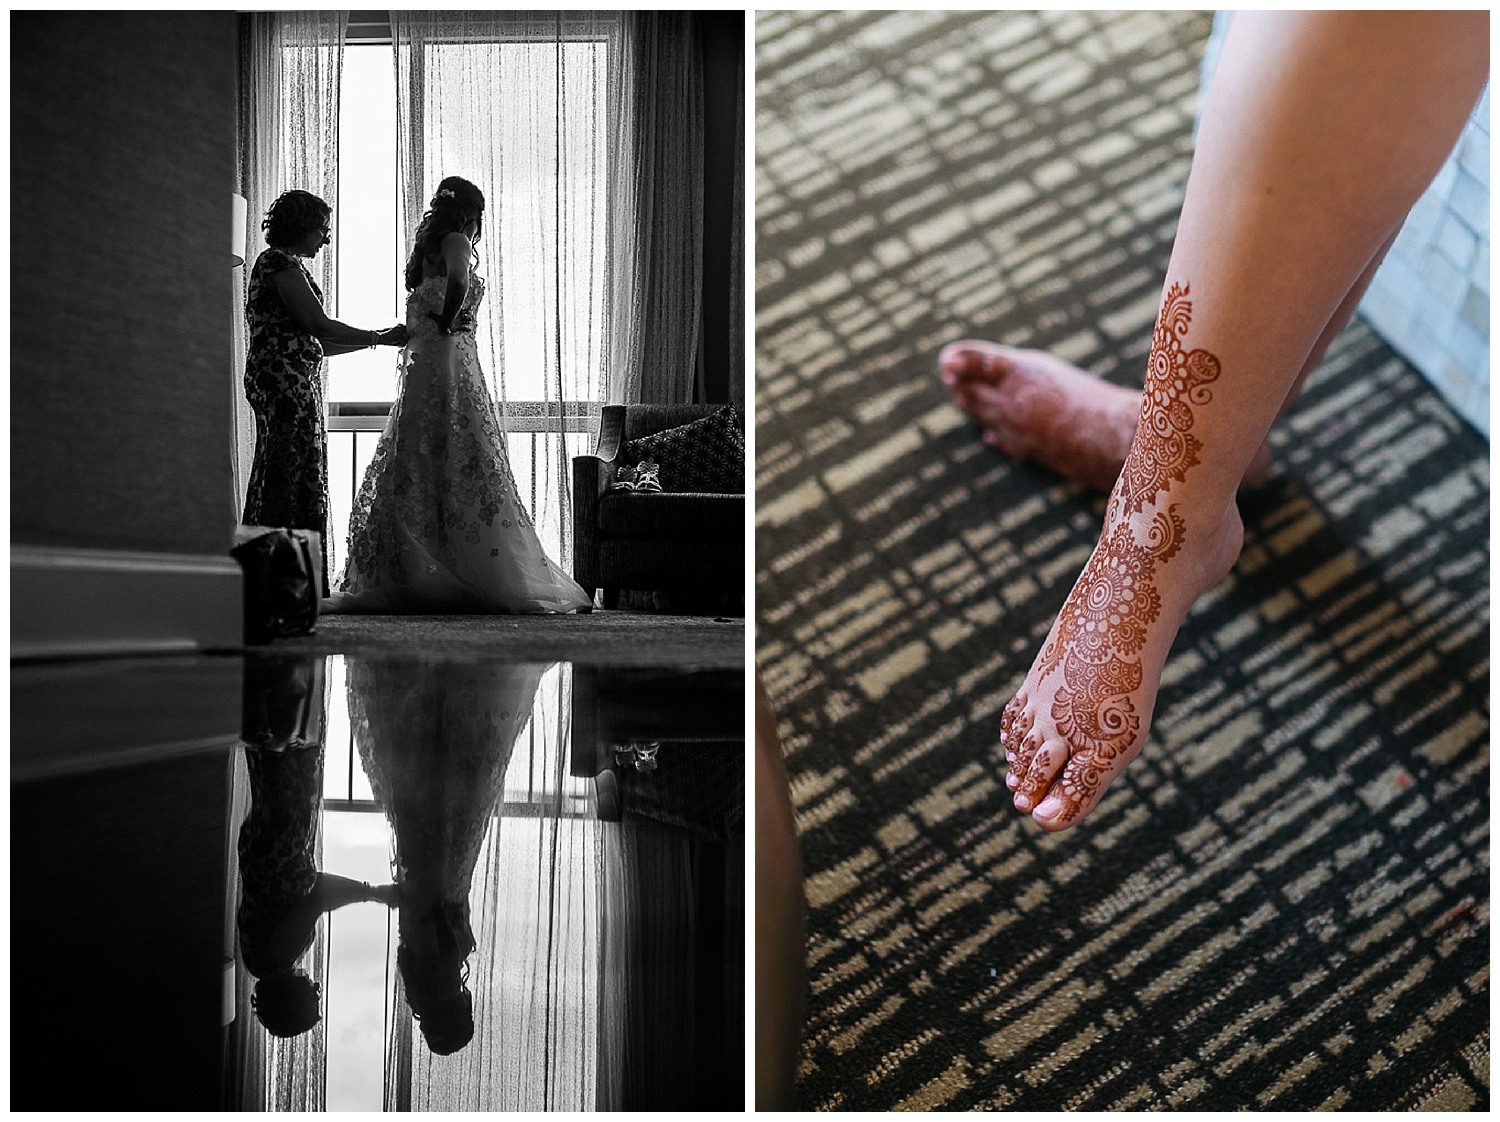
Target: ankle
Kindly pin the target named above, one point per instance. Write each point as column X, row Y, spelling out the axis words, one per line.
column 1197, row 540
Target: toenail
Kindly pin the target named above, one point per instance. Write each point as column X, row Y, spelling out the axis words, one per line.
column 1050, row 807
column 1023, row 802
column 1011, row 780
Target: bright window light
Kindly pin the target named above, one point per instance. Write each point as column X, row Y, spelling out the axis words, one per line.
column 369, row 241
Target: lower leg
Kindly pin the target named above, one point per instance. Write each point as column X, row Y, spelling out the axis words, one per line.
column 780, row 921
column 1032, row 405
column 1320, row 131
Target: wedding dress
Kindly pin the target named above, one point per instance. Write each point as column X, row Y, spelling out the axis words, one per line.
column 438, row 525
column 435, row 740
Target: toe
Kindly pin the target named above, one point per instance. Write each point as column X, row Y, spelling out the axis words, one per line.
column 956, row 361
column 971, row 358
column 1074, row 795
column 1054, row 814
column 1042, row 768
column 1009, row 716
column 1022, row 751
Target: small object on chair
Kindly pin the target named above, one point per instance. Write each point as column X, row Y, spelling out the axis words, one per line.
column 644, row 476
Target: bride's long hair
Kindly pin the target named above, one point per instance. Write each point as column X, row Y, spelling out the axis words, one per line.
column 455, row 204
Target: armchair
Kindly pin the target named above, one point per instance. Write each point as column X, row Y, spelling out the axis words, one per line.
column 674, row 540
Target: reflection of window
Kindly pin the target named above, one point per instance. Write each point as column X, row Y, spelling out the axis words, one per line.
column 536, row 885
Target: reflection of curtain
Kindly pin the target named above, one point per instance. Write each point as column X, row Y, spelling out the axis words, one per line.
column 672, row 960
column 288, row 138
column 657, row 168
column 536, row 881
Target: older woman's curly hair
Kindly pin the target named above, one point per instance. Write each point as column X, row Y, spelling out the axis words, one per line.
column 455, row 204
column 287, row 1004
column 292, row 217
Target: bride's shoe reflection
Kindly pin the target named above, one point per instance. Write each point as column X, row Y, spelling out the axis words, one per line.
column 435, row 741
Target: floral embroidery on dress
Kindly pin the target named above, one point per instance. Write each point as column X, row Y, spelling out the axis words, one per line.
column 435, row 741
column 277, row 845
column 438, row 524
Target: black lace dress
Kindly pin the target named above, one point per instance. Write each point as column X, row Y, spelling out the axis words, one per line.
column 284, row 386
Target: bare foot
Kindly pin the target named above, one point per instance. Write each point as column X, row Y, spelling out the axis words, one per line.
column 1171, row 531
column 1033, row 405
column 1084, row 709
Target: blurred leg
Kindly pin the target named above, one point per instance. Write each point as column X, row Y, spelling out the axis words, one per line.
column 1032, row 405
column 780, row 922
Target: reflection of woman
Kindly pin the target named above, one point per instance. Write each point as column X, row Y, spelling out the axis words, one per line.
column 435, row 741
column 282, row 892
column 290, row 333
column 439, row 525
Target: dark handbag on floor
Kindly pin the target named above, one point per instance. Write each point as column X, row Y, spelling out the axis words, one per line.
column 283, row 585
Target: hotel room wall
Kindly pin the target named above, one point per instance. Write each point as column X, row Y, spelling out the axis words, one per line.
column 122, row 164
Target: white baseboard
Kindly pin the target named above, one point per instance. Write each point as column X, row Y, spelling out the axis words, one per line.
column 72, row 603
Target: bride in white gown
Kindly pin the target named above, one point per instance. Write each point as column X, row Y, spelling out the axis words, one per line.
column 438, row 525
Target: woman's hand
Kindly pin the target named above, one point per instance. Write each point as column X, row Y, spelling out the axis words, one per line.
column 461, row 323
column 392, row 336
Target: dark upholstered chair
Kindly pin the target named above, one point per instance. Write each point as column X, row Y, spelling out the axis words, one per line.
column 671, row 541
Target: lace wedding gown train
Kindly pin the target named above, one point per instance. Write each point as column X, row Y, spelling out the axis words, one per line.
column 438, row 525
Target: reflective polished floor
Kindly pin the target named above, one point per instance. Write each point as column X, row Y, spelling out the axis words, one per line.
column 304, row 882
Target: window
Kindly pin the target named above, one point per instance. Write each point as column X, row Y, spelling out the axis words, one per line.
column 545, row 303
column 370, row 239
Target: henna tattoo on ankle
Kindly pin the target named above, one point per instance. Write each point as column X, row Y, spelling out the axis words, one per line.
column 1105, row 623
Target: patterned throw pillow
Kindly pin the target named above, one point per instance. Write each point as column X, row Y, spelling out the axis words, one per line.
column 641, row 477
column 706, row 455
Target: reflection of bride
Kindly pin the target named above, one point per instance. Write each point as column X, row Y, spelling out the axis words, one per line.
column 438, row 525
column 435, row 740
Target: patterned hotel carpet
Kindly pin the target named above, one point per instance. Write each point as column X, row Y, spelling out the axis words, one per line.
column 1284, row 903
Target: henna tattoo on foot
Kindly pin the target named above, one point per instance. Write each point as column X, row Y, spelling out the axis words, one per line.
column 1097, row 644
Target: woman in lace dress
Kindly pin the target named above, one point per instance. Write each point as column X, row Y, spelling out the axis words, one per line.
column 290, row 334
column 438, row 525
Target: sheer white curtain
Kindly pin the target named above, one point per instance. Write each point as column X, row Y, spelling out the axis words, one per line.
column 516, row 102
column 290, row 64
column 656, row 163
column 541, row 997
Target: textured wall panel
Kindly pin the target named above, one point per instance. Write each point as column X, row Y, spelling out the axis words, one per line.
column 122, row 163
